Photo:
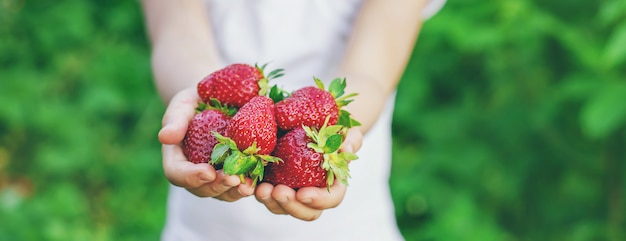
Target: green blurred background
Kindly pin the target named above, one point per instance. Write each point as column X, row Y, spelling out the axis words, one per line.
column 510, row 123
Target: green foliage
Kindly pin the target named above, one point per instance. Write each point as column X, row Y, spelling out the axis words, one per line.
column 79, row 159
column 510, row 123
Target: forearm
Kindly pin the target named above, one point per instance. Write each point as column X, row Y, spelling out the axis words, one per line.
column 377, row 53
column 183, row 50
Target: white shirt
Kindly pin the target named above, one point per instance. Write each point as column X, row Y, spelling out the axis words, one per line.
column 306, row 38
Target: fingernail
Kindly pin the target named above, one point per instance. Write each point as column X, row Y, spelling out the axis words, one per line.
column 306, row 200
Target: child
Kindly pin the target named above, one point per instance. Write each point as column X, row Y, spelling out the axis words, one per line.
column 368, row 42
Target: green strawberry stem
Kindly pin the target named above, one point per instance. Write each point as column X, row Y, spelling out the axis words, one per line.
column 277, row 94
column 327, row 141
column 264, row 82
column 337, row 90
column 215, row 104
column 244, row 163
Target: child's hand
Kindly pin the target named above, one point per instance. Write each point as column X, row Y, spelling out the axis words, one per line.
column 200, row 179
column 307, row 203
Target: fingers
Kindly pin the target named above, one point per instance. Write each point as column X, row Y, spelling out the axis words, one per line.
column 225, row 188
column 183, row 173
column 200, row 179
column 286, row 198
column 353, row 141
column 306, row 204
column 263, row 194
column 322, row 198
column 177, row 116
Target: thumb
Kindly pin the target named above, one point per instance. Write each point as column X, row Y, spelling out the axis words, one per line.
column 353, row 141
column 179, row 112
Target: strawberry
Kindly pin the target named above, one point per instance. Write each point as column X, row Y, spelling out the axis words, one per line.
column 250, row 137
column 199, row 142
column 236, row 84
column 310, row 158
column 255, row 122
column 309, row 106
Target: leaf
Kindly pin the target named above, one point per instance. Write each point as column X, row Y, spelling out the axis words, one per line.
column 262, row 67
column 339, row 167
column 319, row 83
column 268, row 158
column 349, row 156
column 615, row 50
column 230, row 163
column 277, row 94
column 346, row 120
column 214, row 103
column 577, row 86
column 239, row 163
column 315, row 147
column 201, row 107
column 251, row 150
column 220, row 151
column 337, row 87
column 605, row 112
column 310, row 133
column 222, row 139
column 330, row 179
column 275, row 74
column 333, row 143
column 326, row 132
column 263, row 87
column 257, row 173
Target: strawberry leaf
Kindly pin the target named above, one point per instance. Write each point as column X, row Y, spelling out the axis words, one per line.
column 333, row 143
column 222, row 139
column 263, row 86
column 347, row 121
column 238, row 163
column 277, row 94
column 261, row 68
column 330, row 179
column 315, row 147
column 201, row 107
column 220, row 151
column 343, row 100
column 326, row 163
column 337, row 87
column 339, row 167
column 319, row 83
column 324, row 133
column 275, row 74
column 251, row 150
column 257, row 173
column 268, row 158
column 215, row 104
column 348, row 156
column 230, row 163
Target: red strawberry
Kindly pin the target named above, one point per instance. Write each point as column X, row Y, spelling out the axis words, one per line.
column 235, row 84
column 255, row 122
column 249, row 139
column 310, row 158
column 199, row 140
column 310, row 106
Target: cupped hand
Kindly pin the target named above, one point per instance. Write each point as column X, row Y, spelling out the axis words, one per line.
column 307, row 203
column 200, row 179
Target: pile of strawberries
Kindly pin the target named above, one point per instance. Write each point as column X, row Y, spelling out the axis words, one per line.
column 268, row 134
